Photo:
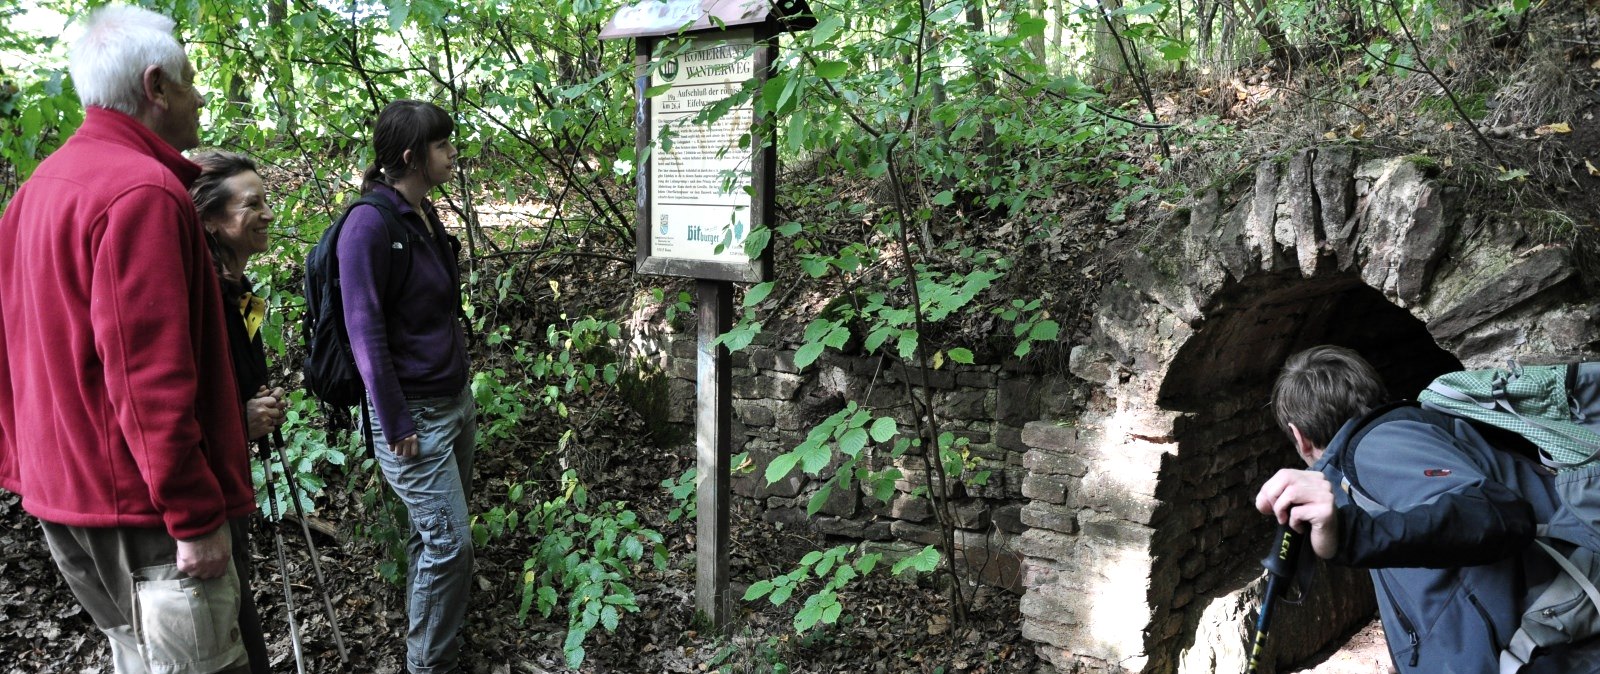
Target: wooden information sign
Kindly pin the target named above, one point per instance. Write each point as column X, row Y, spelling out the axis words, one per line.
column 703, row 185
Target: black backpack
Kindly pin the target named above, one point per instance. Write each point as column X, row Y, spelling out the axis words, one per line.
column 330, row 366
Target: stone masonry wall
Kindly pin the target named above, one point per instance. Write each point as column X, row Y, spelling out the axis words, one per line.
column 1143, row 544
column 775, row 404
column 1128, row 525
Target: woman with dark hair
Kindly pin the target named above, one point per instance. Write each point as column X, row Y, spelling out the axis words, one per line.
column 231, row 202
column 401, row 300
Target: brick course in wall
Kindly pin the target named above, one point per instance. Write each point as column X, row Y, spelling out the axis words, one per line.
column 775, row 404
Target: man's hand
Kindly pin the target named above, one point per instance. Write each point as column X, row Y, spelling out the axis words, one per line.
column 207, row 556
column 407, row 447
column 1303, row 499
column 265, row 411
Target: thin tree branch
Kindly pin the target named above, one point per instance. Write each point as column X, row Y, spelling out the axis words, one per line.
column 1454, row 102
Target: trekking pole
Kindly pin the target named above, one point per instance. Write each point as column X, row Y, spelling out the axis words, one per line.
column 1280, row 563
column 316, row 565
column 265, row 454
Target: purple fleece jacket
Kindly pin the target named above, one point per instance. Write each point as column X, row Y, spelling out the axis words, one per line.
column 415, row 347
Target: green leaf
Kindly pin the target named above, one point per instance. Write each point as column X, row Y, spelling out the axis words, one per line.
column 547, row 600
column 740, row 336
column 883, row 485
column 807, row 354
column 826, row 564
column 773, row 91
column 814, row 456
column 655, row 91
column 945, row 13
column 908, row 343
column 837, row 337
column 794, row 135
column 960, row 355
column 398, row 11
column 922, row 562
column 1044, row 331
column 781, row 466
column 825, row 30
column 853, row 441
column 757, row 589
column 1174, row 51
column 608, row 618
column 883, row 429
column 876, row 338
column 781, row 595
column 575, row 655
column 757, row 292
column 817, row 329
column 830, row 613
column 831, row 70
column 944, row 198
column 1029, row 26
column 807, row 618
column 756, row 243
column 819, row 499
column 868, row 562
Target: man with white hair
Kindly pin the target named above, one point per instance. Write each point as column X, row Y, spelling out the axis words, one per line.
column 119, row 423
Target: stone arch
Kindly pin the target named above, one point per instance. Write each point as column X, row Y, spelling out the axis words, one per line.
column 1159, row 472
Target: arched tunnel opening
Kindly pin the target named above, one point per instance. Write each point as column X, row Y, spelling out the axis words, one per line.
column 1209, row 539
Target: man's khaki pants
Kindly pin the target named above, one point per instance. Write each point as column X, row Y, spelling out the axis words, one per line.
column 159, row 621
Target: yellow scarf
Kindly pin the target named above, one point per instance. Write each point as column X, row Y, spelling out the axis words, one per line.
column 254, row 311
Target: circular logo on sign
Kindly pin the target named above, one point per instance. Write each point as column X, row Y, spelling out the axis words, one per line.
column 668, row 70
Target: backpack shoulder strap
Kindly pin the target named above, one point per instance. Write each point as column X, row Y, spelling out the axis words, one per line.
column 400, row 242
column 1553, row 606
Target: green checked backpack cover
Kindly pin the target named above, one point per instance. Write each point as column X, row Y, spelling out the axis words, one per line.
column 1556, row 407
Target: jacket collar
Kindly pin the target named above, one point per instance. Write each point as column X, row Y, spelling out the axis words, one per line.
column 401, row 206
column 112, row 126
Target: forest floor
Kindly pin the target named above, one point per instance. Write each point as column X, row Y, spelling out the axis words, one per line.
column 892, row 625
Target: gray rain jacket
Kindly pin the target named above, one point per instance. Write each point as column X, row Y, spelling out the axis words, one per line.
column 1445, row 523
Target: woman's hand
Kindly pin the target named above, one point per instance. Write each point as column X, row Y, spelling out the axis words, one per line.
column 265, row 411
column 407, row 447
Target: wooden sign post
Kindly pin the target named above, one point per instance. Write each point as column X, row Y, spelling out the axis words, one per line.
column 701, row 191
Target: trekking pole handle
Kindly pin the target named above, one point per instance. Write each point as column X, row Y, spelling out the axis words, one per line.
column 1280, row 560
column 1280, row 565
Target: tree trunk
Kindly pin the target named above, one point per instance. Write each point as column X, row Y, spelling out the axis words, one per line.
column 985, row 78
column 1108, row 62
column 1058, row 38
column 1277, row 41
column 1036, row 43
